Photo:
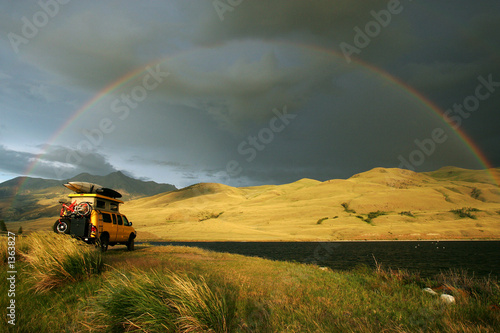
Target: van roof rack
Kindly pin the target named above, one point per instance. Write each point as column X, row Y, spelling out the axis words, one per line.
column 93, row 195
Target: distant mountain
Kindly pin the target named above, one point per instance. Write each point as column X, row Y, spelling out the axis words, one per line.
column 130, row 188
column 26, row 198
column 9, row 188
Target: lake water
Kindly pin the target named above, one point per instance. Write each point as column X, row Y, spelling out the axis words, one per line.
column 481, row 258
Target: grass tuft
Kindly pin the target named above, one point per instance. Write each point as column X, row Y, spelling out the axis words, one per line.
column 321, row 220
column 476, row 194
column 371, row 216
column 208, row 215
column 376, row 214
column 407, row 213
column 485, row 288
column 59, row 259
column 347, row 209
column 165, row 301
column 20, row 245
column 465, row 212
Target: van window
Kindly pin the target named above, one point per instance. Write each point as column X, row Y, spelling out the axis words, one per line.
column 120, row 222
column 125, row 221
column 114, row 219
column 106, row 217
column 100, row 204
column 113, row 206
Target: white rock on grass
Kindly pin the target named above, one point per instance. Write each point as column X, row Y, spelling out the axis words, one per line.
column 430, row 291
column 447, row 298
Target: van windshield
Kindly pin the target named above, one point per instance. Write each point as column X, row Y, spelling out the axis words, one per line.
column 125, row 221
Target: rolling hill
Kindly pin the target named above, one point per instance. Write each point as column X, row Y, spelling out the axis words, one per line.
column 377, row 204
column 450, row 203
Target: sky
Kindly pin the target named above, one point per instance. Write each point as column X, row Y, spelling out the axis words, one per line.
column 247, row 92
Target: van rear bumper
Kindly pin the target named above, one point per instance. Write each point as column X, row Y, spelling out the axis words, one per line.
column 77, row 227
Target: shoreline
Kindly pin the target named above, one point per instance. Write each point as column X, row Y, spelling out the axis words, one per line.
column 319, row 241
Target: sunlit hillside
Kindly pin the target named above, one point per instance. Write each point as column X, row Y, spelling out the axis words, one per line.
column 449, row 203
column 377, row 204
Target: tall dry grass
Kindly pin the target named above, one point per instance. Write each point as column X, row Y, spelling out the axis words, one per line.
column 21, row 245
column 164, row 302
column 58, row 259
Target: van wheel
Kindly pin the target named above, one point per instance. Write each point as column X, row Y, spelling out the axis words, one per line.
column 131, row 243
column 61, row 227
column 103, row 242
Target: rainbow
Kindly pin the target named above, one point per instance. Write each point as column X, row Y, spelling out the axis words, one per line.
column 123, row 80
column 419, row 97
column 114, row 86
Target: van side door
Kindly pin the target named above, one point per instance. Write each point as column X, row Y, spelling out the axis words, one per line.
column 113, row 233
column 107, row 226
column 122, row 236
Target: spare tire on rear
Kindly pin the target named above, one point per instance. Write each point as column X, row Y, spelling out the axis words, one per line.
column 61, row 226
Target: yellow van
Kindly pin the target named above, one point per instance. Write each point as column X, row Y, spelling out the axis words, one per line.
column 100, row 223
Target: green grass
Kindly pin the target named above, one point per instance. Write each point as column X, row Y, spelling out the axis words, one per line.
column 345, row 205
column 59, row 259
column 182, row 289
column 321, row 220
column 20, row 245
column 407, row 213
column 454, row 189
column 164, row 301
column 465, row 212
column 445, row 195
column 208, row 215
column 476, row 194
column 371, row 216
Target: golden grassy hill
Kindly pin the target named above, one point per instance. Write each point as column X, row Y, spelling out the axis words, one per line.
column 377, row 204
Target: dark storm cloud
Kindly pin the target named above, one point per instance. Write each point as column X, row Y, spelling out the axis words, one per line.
column 234, row 92
column 227, row 73
column 101, row 54
column 56, row 163
column 244, row 92
column 323, row 23
column 278, row 18
column 14, row 161
column 66, row 162
column 142, row 160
